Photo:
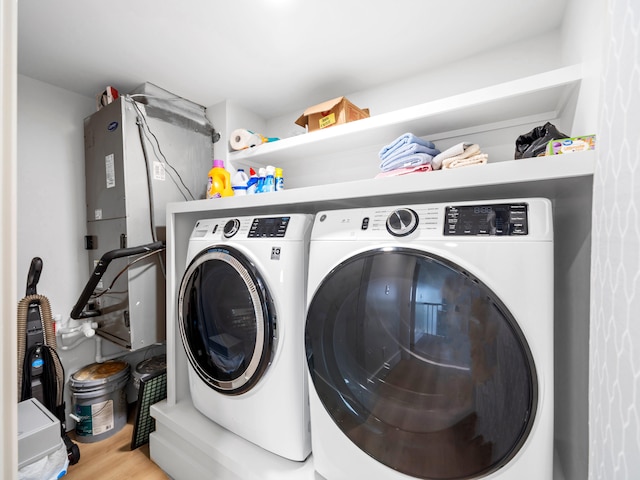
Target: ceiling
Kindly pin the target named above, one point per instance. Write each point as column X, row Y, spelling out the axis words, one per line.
column 270, row 56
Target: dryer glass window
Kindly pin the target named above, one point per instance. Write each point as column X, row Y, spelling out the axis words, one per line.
column 226, row 320
column 420, row 365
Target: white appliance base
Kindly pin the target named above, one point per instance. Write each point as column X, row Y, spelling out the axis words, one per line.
column 188, row 445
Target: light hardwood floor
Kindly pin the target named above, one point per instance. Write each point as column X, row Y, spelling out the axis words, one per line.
column 113, row 459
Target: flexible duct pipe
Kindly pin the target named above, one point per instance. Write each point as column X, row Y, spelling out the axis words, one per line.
column 23, row 306
column 48, row 334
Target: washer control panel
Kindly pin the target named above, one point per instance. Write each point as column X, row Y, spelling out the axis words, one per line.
column 272, row 227
column 489, row 219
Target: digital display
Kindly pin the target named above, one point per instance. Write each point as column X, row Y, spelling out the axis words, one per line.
column 496, row 219
column 272, row 227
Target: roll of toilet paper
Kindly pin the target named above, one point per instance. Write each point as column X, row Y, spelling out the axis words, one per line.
column 241, row 139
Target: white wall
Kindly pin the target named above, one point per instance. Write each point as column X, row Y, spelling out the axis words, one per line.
column 8, row 219
column 51, row 201
column 226, row 117
column 580, row 42
column 583, row 31
column 615, row 293
column 51, row 190
column 513, row 61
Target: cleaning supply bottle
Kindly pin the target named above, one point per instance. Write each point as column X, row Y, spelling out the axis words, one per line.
column 269, row 180
column 239, row 182
column 279, row 180
column 252, row 183
column 262, row 172
column 219, row 184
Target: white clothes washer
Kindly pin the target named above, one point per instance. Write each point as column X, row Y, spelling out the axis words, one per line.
column 429, row 340
column 241, row 312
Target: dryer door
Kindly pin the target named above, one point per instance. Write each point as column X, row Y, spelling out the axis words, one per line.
column 420, row 365
column 226, row 320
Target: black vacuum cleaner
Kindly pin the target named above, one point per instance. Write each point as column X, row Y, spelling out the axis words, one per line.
column 40, row 372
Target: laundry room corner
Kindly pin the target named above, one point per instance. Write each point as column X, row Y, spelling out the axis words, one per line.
column 51, row 200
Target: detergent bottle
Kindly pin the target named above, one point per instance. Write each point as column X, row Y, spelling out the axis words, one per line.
column 239, row 182
column 219, row 184
column 262, row 173
column 252, row 183
column 269, row 180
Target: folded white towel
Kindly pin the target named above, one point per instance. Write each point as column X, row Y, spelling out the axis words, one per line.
column 461, row 150
column 456, row 162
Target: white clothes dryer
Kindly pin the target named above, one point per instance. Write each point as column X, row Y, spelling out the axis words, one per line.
column 241, row 312
column 429, row 339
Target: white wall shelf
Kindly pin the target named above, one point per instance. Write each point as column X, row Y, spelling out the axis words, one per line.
column 545, row 176
column 541, row 96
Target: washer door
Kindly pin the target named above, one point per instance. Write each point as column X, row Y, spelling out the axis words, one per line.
column 226, row 320
column 420, row 365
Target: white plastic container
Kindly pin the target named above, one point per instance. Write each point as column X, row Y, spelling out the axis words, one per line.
column 239, row 182
column 262, row 173
column 269, row 180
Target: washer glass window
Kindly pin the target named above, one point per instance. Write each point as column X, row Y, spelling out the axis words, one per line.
column 226, row 320
column 420, row 365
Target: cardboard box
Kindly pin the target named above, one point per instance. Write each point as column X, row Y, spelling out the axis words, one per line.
column 330, row 113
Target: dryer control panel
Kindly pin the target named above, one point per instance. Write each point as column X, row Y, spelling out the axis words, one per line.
column 513, row 220
column 486, row 219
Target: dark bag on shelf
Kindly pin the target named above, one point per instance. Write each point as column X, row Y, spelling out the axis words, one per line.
column 534, row 143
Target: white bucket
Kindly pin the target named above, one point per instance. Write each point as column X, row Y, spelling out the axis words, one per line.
column 99, row 400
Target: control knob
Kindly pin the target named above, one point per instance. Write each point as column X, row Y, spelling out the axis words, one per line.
column 231, row 228
column 402, row 222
